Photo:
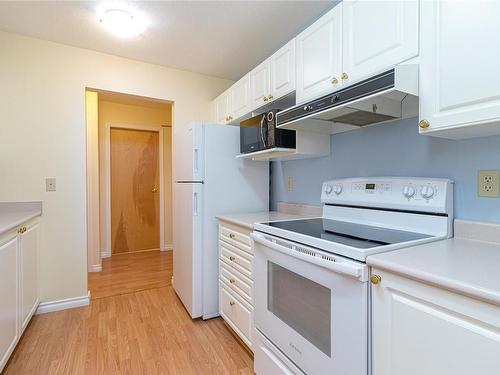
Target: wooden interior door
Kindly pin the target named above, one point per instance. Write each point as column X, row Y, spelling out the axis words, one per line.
column 135, row 209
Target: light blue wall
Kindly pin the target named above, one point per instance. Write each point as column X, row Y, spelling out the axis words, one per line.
column 395, row 149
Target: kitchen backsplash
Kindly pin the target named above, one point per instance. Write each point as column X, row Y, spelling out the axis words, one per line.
column 395, row 149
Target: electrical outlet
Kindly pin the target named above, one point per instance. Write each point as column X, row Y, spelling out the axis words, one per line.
column 487, row 183
column 289, row 186
column 50, row 184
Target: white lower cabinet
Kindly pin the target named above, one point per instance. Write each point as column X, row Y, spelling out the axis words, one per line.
column 9, row 291
column 29, row 273
column 235, row 280
column 421, row 329
column 18, row 285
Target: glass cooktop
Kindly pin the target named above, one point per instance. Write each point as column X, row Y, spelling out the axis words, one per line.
column 350, row 234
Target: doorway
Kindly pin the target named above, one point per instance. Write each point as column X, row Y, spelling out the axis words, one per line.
column 134, row 190
column 129, row 185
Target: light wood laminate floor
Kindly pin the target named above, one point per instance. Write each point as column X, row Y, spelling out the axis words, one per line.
column 142, row 331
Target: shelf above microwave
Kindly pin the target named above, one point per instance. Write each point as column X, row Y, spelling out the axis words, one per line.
column 309, row 145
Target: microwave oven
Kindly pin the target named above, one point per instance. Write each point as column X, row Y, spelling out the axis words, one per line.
column 260, row 133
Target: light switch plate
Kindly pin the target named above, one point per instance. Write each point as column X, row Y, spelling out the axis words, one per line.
column 487, row 183
column 50, row 184
column 289, row 186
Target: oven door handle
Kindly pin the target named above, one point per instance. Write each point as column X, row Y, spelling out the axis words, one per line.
column 353, row 270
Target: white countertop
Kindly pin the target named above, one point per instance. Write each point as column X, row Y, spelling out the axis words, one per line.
column 465, row 266
column 13, row 214
column 247, row 220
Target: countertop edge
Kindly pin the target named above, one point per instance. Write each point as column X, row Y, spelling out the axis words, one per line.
column 452, row 285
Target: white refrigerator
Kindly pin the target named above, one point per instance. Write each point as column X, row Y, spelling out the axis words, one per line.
column 208, row 180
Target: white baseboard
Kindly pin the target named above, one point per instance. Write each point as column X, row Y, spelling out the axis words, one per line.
column 105, row 253
column 95, row 268
column 63, row 304
column 167, row 247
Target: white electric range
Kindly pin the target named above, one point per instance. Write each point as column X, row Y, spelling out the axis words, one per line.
column 311, row 281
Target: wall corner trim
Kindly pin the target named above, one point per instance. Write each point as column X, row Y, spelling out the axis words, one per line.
column 63, row 304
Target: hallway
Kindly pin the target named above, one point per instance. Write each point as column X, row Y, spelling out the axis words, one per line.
column 139, row 327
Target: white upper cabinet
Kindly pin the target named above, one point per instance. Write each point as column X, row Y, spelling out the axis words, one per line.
column 222, row 108
column 319, row 56
column 240, row 97
column 260, row 84
column 377, row 35
column 282, row 71
column 459, row 68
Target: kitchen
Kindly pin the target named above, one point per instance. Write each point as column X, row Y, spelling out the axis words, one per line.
column 370, row 90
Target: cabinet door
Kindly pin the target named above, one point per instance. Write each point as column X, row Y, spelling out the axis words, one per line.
column 459, row 70
column 377, row 35
column 9, row 306
column 260, row 84
column 29, row 273
column 223, row 108
column 240, row 97
column 282, row 71
column 319, row 56
column 420, row 329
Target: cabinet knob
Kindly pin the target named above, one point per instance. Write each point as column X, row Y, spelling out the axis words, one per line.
column 232, row 235
column 231, row 303
column 334, row 80
column 424, row 124
column 265, row 98
column 375, row 279
column 344, row 75
column 270, row 97
column 232, row 281
column 232, row 258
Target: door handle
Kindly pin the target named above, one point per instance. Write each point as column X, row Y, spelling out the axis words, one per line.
column 195, row 204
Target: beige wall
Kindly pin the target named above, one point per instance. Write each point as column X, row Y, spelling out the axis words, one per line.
column 141, row 115
column 92, row 123
column 42, row 134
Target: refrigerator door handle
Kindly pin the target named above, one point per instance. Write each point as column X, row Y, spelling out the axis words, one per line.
column 195, row 160
column 195, row 204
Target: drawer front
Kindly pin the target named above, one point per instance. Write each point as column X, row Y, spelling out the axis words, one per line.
column 236, row 314
column 236, row 258
column 236, row 238
column 238, row 283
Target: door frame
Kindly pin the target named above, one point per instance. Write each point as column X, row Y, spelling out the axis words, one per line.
column 106, row 250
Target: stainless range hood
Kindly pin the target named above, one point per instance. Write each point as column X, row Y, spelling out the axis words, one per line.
column 388, row 96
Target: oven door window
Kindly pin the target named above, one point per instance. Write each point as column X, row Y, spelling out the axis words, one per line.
column 302, row 304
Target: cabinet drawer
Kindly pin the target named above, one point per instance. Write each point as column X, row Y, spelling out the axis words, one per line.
column 236, row 258
column 238, row 283
column 236, row 314
column 236, row 238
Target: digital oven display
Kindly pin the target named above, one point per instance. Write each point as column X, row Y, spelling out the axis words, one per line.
column 370, row 187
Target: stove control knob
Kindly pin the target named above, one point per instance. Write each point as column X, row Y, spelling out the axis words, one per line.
column 337, row 189
column 427, row 192
column 308, row 108
column 328, row 189
column 408, row 191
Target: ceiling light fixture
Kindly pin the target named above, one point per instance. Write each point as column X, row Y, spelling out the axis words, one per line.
column 122, row 21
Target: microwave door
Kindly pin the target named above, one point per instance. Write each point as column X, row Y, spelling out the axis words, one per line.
column 252, row 137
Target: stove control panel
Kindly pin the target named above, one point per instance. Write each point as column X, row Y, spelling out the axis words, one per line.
column 411, row 194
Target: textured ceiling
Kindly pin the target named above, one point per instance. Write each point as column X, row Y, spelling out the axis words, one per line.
column 218, row 38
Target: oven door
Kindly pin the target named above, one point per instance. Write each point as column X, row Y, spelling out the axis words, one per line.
column 313, row 306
